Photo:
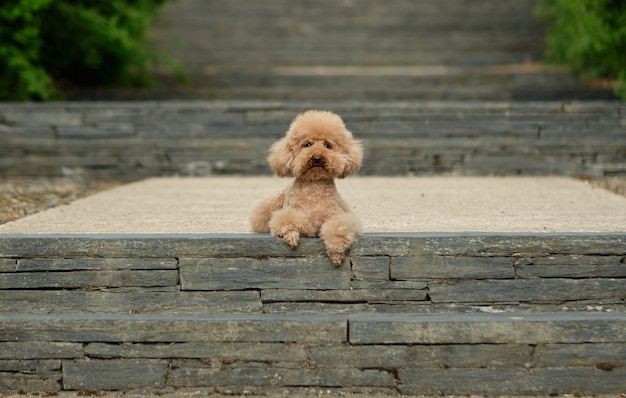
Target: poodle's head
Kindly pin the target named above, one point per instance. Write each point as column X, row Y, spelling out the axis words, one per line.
column 317, row 146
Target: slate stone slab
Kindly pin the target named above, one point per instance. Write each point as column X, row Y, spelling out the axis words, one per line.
column 7, row 265
column 156, row 246
column 251, row 273
column 342, row 296
column 19, row 383
column 30, row 366
column 73, row 264
column 81, row 279
column 170, row 328
column 370, row 268
column 526, row 290
column 262, row 245
column 40, row 350
column 539, row 381
column 423, row 356
column 529, row 245
column 215, row 352
column 607, row 356
column 449, row 267
column 572, row 266
column 114, row 374
column 381, row 245
column 488, row 329
column 128, row 301
column 193, row 376
column 387, row 284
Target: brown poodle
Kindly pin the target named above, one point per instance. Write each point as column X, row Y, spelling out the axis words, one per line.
column 317, row 149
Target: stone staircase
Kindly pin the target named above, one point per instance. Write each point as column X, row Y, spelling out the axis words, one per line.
column 407, row 313
column 355, row 50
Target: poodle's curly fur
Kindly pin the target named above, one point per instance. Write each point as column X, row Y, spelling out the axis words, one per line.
column 316, row 149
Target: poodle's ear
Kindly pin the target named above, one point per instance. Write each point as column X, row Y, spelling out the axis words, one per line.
column 281, row 158
column 354, row 155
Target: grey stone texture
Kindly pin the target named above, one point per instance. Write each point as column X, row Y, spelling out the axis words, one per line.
column 363, row 49
column 422, row 313
column 232, row 137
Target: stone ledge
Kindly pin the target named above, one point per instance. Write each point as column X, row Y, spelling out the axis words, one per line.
column 478, row 244
column 408, row 313
column 455, row 353
column 138, row 139
column 384, row 273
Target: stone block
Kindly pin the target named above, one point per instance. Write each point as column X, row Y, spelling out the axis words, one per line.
column 170, row 328
column 488, row 329
column 264, row 273
column 538, row 381
column 381, row 245
column 129, row 301
column 526, row 290
column 114, row 374
column 20, row 383
column 528, row 245
column 160, row 246
column 423, row 356
column 214, row 352
column 266, row 376
column 604, row 356
column 572, row 266
column 376, row 284
column 121, row 114
column 73, row 264
column 8, row 265
column 40, row 350
column 342, row 296
column 315, row 308
column 82, row 279
column 370, row 268
column 30, row 366
column 23, row 116
column 451, row 267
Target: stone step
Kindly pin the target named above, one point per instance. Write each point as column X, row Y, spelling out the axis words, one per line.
column 246, row 36
column 385, row 273
column 139, row 139
column 530, row 354
column 354, row 50
column 407, row 313
column 396, row 83
column 363, row 49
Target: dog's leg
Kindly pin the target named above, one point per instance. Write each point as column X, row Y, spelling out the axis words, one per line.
column 288, row 224
column 262, row 212
column 338, row 234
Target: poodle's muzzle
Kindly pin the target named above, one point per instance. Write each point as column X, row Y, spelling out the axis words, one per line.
column 317, row 161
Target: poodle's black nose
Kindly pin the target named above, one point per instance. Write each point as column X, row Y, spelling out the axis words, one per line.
column 317, row 160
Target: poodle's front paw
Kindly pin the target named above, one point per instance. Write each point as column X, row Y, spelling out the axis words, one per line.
column 292, row 238
column 337, row 258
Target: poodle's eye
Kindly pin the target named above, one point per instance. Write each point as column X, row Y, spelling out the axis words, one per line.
column 308, row 144
column 327, row 145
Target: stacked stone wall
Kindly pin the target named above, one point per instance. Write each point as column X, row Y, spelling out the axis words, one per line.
column 136, row 140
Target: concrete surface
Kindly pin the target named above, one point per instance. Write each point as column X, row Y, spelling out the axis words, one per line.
column 407, row 204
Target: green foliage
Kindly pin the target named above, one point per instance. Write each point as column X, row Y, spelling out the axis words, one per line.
column 589, row 36
column 48, row 43
column 21, row 74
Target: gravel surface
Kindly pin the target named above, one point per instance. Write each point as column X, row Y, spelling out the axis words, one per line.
column 20, row 197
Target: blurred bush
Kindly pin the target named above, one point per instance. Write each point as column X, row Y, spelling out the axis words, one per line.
column 589, row 36
column 47, row 44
